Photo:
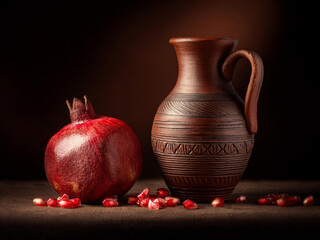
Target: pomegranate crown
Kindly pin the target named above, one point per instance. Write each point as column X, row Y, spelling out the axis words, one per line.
column 80, row 112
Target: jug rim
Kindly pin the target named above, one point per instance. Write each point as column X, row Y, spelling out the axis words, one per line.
column 199, row 39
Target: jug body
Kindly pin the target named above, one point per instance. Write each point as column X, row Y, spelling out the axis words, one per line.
column 200, row 135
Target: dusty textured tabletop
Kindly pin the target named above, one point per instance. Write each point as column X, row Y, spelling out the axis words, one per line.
column 20, row 218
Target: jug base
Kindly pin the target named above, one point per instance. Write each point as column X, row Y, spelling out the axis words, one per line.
column 201, row 195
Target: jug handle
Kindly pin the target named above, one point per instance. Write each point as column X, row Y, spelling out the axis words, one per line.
column 255, row 83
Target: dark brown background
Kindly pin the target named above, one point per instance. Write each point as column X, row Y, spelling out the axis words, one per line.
column 117, row 53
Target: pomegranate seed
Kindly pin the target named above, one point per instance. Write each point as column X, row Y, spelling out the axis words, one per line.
column 163, row 192
column 283, row 195
column 162, row 202
column 132, row 199
column 40, row 202
column 153, row 197
column 110, row 202
column 143, row 202
column 265, row 201
column 273, row 197
column 63, row 197
column 153, row 205
column 76, row 202
column 217, row 202
column 65, row 204
column 172, row 201
column 292, row 200
column 308, row 201
column 188, row 204
column 52, row 202
column 144, row 194
column 242, row 199
column 281, row 202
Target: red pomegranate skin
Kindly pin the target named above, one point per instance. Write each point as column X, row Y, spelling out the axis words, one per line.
column 93, row 157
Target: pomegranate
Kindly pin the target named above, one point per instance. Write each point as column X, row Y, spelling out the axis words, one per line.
column 93, row 156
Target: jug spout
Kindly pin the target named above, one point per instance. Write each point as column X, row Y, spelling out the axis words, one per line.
column 199, row 61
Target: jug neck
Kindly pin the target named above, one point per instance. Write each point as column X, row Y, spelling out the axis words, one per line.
column 199, row 61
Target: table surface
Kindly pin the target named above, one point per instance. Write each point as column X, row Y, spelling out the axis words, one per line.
column 20, row 218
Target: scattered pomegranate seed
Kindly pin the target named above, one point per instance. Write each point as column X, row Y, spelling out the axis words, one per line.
column 40, row 202
column 217, row 202
column 153, row 205
column 52, row 202
column 65, row 204
column 265, row 201
column 132, row 199
column 292, row 200
column 188, row 204
column 163, row 192
column 76, row 202
column 143, row 202
column 144, row 194
column 153, row 197
column 242, row 199
column 281, row 202
column 283, row 195
column 172, row 201
column 110, row 202
column 162, row 202
column 63, row 197
column 273, row 198
column 308, row 201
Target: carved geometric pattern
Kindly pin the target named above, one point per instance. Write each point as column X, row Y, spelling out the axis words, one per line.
column 202, row 148
column 203, row 181
column 199, row 109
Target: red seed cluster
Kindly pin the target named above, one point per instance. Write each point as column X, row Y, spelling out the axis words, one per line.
column 64, row 201
column 284, row 200
column 163, row 199
column 160, row 200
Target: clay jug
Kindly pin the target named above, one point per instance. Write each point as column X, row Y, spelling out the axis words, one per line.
column 203, row 132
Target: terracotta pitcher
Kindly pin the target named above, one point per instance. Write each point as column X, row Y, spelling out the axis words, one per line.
column 203, row 133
